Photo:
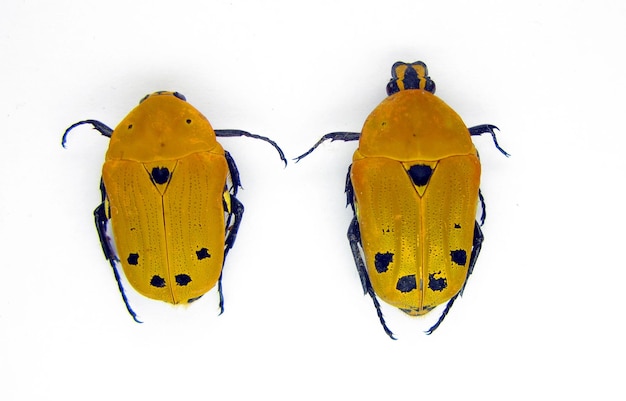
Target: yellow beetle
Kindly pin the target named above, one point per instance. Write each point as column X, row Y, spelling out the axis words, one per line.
column 169, row 195
column 414, row 188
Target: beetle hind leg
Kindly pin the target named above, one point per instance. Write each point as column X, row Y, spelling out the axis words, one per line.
column 476, row 246
column 101, row 225
column 354, row 236
column 237, row 210
column 443, row 315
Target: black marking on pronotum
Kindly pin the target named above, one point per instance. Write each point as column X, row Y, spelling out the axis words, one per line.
column 157, row 281
column 406, row 283
column 183, row 279
column 437, row 283
column 203, row 254
column 459, row 257
column 382, row 260
column 160, row 175
column 420, row 174
column 133, row 258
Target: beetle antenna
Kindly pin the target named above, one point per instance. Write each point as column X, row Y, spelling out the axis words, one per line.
column 97, row 125
column 333, row 136
column 236, row 132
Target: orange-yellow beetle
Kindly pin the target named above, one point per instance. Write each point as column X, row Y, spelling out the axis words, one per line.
column 414, row 188
column 169, row 195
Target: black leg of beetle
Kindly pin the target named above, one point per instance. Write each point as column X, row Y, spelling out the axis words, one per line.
column 483, row 215
column 101, row 226
column 354, row 237
column 97, row 125
column 488, row 128
column 101, row 221
column 234, row 173
column 476, row 246
column 237, row 211
column 235, row 132
column 333, row 136
column 443, row 315
column 349, row 190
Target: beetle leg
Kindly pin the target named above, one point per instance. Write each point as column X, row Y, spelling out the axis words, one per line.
column 476, row 246
column 97, row 125
column 101, row 218
column 484, row 128
column 349, row 190
column 235, row 183
column 443, row 315
column 236, row 132
column 483, row 215
column 354, row 236
column 234, row 173
column 333, row 136
column 236, row 211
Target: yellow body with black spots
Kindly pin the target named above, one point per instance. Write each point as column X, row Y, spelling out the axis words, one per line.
column 165, row 195
column 416, row 178
column 414, row 188
column 169, row 198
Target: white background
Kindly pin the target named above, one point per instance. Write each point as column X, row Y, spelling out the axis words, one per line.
column 542, row 317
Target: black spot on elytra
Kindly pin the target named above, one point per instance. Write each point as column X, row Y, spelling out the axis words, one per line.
column 456, row 225
column 130, row 126
column 133, row 258
column 160, row 175
column 459, row 257
column 406, row 283
column 382, row 260
column 420, row 174
column 203, row 254
column 188, row 121
column 183, row 279
column 157, row 281
column 437, row 283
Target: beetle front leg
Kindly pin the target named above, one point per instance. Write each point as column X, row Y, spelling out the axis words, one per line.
column 488, row 128
column 333, row 136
